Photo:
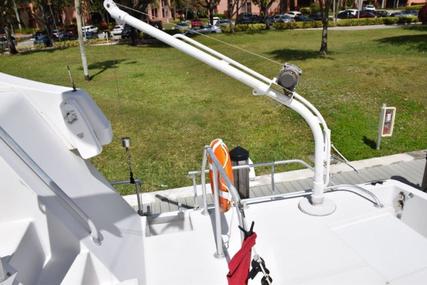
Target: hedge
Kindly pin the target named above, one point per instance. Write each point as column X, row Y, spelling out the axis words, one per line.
column 318, row 24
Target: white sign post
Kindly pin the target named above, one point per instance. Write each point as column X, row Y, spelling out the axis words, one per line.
column 386, row 123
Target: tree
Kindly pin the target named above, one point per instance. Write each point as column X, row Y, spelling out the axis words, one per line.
column 264, row 5
column 77, row 5
column 324, row 10
column 233, row 8
column 210, row 5
column 8, row 17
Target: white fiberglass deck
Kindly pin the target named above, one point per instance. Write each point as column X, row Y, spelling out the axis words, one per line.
column 358, row 244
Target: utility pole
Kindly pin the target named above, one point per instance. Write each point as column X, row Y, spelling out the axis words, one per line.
column 80, row 33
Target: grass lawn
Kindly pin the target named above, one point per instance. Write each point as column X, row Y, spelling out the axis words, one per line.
column 172, row 105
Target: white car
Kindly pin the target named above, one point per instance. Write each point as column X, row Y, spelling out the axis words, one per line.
column 90, row 29
column 352, row 11
column 369, row 8
column 117, row 30
column 215, row 20
column 293, row 13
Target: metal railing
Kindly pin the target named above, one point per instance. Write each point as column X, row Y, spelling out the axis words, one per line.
column 236, row 202
column 138, row 183
column 52, row 186
column 193, row 175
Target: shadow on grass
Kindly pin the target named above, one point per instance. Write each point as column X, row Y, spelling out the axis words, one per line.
column 296, row 54
column 104, row 65
column 40, row 50
column 422, row 28
column 369, row 142
column 419, row 42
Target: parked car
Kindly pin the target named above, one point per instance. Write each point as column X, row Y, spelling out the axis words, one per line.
column 302, row 18
column 196, row 23
column 181, row 26
column 41, row 38
column 248, row 18
column 206, row 29
column 126, row 32
column 346, row 15
column 90, row 29
column 223, row 22
column 117, row 30
column 369, row 7
column 316, row 16
column 283, row 18
column 215, row 20
column 292, row 14
column 365, row 14
column 381, row 13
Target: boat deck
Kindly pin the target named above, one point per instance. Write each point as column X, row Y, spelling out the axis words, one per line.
column 409, row 171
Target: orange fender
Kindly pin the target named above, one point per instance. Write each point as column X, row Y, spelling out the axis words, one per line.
column 221, row 152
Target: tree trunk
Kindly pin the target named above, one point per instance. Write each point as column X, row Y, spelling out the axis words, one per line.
column 46, row 23
column 325, row 18
column 81, row 44
column 211, row 12
column 10, row 41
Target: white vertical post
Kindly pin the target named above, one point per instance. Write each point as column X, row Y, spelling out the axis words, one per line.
column 219, row 250
column 380, row 126
column 196, row 201
column 203, row 182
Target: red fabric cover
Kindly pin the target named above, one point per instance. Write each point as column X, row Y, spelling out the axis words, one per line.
column 240, row 263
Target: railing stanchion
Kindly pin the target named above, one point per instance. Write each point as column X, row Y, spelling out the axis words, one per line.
column 138, row 196
column 219, row 250
column 273, row 186
column 196, row 200
column 203, row 181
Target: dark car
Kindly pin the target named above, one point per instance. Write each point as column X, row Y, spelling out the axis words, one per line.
column 302, row 18
column 381, row 13
column 316, row 16
column 61, row 35
column 282, row 19
column 126, row 32
column 248, row 18
column 346, row 15
column 223, row 22
column 41, row 38
column 366, row 14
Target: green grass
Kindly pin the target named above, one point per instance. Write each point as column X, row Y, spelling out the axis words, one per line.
column 172, row 105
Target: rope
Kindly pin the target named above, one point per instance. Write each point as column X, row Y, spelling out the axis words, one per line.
column 214, row 39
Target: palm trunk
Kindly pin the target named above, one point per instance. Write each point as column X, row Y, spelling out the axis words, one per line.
column 10, row 41
column 325, row 18
column 81, row 44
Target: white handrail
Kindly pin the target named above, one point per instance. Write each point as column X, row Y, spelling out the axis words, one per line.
column 51, row 185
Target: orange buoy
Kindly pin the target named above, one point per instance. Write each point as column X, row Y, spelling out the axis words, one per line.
column 221, row 152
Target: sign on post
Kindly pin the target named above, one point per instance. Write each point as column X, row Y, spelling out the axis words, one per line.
column 386, row 123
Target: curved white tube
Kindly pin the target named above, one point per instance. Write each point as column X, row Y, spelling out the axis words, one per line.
column 300, row 105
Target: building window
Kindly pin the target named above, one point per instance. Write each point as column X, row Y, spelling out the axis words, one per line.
column 154, row 12
column 249, row 7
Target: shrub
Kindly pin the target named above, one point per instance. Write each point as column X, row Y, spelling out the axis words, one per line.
column 407, row 20
column 305, row 10
column 390, row 20
column 250, row 27
column 226, row 29
column 414, row 7
column 284, row 26
column 422, row 14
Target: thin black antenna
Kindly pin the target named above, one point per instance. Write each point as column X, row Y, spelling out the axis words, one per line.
column 71, row 78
